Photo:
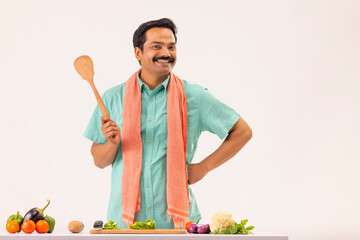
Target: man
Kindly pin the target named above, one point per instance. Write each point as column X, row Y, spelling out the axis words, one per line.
column 161, row 118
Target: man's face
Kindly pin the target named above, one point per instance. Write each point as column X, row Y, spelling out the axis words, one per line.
column 159, row 54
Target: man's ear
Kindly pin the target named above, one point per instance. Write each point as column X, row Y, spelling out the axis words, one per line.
column 138, row 53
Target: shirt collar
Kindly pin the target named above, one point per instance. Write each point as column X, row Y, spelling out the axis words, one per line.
column 142, row 84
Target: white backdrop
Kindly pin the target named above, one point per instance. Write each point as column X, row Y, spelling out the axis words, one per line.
column 290, row 68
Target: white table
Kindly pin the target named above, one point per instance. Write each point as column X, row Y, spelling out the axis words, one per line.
column 85, row 235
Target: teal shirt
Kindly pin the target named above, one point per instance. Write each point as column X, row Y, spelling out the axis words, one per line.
column 205, row 113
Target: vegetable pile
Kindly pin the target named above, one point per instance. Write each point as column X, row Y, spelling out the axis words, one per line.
column 33, row 220
column 238, row 228
column 149, row 224
column 221, row 223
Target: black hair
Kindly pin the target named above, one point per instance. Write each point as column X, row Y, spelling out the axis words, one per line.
column 139, row 35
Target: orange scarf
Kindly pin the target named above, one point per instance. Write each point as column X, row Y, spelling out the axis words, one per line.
column 176, row 188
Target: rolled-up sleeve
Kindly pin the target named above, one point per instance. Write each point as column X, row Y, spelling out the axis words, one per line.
column 93, row 130
column 215, row 116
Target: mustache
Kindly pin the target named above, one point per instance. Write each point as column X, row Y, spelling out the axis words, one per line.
column 171, row 59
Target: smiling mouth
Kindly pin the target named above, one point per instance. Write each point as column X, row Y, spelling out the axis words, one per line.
column 169, row 60
column 163, row 61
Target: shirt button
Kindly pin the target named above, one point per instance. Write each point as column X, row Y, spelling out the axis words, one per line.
column 148, row 209
column 146, row 86
column 147, row 164
column 150, row 120
column 147, row 185
column 149, row 141
column 151, row 99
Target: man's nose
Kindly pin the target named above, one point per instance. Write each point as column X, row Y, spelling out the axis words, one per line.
column 165, row 52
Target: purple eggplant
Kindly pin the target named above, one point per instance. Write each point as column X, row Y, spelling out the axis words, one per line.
column 203, row 229
column 36, row 214
column 193, row 228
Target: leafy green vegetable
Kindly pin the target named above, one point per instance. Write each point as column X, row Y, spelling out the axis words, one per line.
column 238, row 228
column 225, row 231
column 244, row 222
column 235, row 229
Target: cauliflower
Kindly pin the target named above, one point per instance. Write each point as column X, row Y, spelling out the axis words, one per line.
column 221, row 220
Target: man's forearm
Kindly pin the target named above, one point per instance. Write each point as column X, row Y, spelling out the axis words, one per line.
column 234, row 142
column 104, row 154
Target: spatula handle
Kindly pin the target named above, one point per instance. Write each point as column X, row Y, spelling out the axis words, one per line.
column 99, row 101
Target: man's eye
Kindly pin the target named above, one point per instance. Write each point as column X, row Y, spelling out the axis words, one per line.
column 156, row 46
column 172, row 48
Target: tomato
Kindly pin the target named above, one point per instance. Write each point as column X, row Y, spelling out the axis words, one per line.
column 12, row 226
column 28, row 226
column 188, row 224
column 42, row 226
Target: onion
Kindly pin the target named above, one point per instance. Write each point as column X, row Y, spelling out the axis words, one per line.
column 203, row 229
column 193, row 228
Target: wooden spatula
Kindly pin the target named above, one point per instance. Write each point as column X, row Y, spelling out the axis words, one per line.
column 85, row 67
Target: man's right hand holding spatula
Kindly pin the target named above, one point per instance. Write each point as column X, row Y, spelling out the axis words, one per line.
column 104, row 154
